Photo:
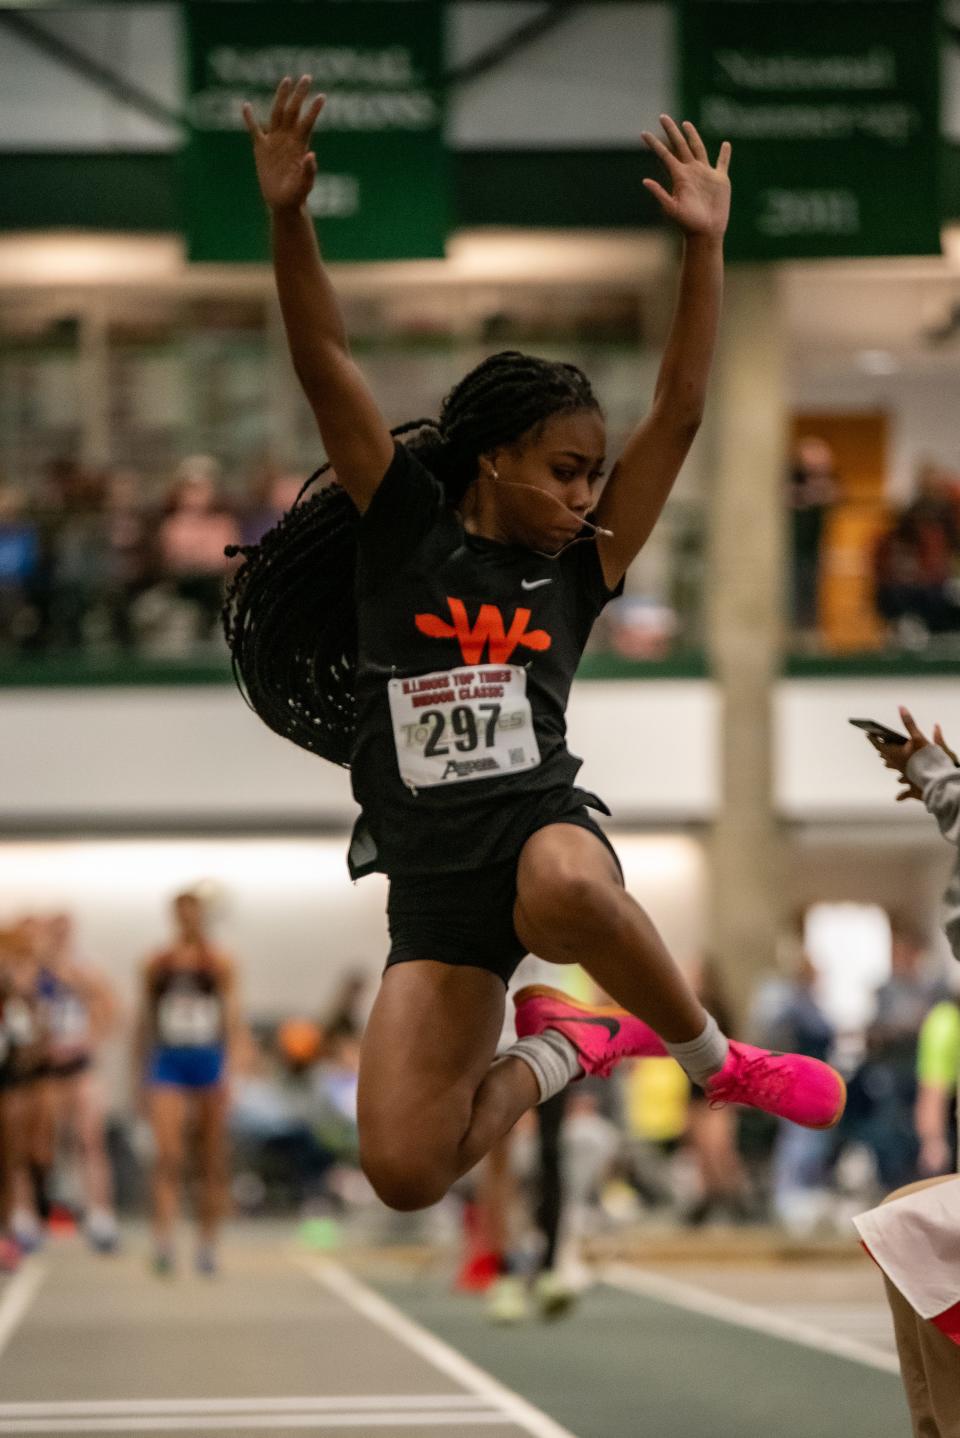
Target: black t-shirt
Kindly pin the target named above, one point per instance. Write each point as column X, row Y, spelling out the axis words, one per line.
column 467, row 651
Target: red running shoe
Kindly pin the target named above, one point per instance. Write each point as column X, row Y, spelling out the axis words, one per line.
column 602, row 1036
column 804, row 1090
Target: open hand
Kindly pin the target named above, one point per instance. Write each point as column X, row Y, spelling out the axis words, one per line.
column 286, row 165
column 700, row 202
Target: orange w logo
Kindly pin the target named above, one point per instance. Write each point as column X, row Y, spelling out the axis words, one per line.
column 487, row 629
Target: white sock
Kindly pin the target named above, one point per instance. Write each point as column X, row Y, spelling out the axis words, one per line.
column 552, row 1058
column 701, row 1057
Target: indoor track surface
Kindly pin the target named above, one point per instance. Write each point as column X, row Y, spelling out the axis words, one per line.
column 285, row 1342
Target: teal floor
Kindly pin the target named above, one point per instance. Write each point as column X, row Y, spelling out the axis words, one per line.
column 626, row 1364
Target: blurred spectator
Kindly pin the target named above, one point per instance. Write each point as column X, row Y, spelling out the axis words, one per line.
column 640, row 628
column 882, row 1093
column 938, row 1078
column 801, row 1155
column 916, row 561
column 812, row 487
column 78, row 558
column 350, row 1006
column 127, row 560
column 712, row 1132
column 272, row 491
column 193, row 534
column 19, row 563
column 270, row 1119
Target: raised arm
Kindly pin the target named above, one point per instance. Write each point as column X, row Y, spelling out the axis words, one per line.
column 645, row 472
column 354, row 433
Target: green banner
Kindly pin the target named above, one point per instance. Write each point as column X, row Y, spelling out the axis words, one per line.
column 381, row 191
column 832, row 108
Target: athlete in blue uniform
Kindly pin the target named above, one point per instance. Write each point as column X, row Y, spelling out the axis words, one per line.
column 188, row 1023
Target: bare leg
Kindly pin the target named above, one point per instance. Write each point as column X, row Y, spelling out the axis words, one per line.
column 572, row 908
column 496, row 1195
column 167, row 1108
column 85, row 1102
column 214, row 1171
column 430, row 1104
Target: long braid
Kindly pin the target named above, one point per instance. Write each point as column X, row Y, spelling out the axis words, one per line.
column 290, row 616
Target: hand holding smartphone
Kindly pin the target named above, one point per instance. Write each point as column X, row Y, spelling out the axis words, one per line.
column 876, row 730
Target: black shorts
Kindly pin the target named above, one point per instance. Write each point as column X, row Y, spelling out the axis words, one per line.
column 466, row 917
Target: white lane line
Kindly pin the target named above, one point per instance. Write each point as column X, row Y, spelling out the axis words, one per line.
column 18, row 1296
column 746, row 1315
column 265, row 1422
column 371, row 1305
column 107, row 1407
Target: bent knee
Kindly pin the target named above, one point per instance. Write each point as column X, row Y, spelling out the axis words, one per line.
column 567, row 901
column 403, row 1183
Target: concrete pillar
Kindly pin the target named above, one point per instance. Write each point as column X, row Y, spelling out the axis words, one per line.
column 745, row 614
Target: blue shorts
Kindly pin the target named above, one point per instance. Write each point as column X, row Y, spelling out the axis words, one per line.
column 186, row 1067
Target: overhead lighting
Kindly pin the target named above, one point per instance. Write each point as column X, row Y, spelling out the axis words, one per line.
column 83, row 257
column 877, row 362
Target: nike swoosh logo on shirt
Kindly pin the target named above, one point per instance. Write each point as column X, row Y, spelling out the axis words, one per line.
column 534, row 583
column 612, row 1026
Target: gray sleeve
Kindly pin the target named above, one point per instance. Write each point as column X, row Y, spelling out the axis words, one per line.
column 938, row 779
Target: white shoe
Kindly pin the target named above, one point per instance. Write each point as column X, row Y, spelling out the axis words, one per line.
column 26, row 1230
column 102, row 1231
column 553, row 1295
column 507, row 1300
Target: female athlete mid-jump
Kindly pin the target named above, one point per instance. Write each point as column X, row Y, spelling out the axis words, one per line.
column 422, row 620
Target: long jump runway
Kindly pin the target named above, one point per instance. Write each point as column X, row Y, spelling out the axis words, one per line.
column 286, row 1343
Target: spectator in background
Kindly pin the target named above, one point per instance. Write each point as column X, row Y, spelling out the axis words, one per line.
column 884, row 1088
column 800, row 1156
column 78, row 558
column 938, row 1079
column 19, row 562
column 194, row 532
column 349, row 1008
column 712, row 1132
column 916, row 561
column 272, row 491
column 812, row 487
column 127, row 564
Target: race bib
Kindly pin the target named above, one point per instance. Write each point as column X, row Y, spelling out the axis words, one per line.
column 18, row 1022
column 69, row 1021
column 188, row 1020
column 460, row 724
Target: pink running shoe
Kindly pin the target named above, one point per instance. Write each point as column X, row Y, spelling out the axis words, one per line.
column 601, row 1036
column 804, row 1090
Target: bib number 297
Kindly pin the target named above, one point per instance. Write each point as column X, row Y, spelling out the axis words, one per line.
column 465, row 728
column 464, row 724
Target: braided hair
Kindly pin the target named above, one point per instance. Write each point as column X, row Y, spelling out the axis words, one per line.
column 290, row 615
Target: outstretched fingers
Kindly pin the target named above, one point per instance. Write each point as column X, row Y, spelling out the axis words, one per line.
column 662, row 151
column 279, row 102
column 678, row 141
column 291, row 111
column 910, row 724
column 310, row 115
column 723, row 159
column 249, row 119
column 697, row 148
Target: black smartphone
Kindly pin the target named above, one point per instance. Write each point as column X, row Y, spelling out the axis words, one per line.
column 876, row 730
